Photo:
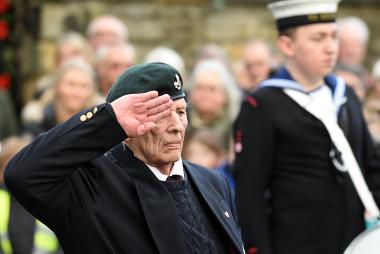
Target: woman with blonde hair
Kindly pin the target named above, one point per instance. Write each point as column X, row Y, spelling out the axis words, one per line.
column 72, row 88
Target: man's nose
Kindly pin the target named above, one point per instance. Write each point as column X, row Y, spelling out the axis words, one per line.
column 175, row 124
column 332, row 45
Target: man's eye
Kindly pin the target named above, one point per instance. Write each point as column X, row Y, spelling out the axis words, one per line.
column 317, row 38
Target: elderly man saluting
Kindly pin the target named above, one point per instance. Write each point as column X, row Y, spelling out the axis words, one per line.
column 111, row 179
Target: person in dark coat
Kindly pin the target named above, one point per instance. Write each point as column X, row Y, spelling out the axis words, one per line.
column 111, row 178
column 8, row 118
column 20, row 232
column 291, row 199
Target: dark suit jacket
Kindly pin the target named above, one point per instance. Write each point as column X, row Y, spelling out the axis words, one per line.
column 98, row 198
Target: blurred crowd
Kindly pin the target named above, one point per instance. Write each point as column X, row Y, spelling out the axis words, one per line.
column 87, row 66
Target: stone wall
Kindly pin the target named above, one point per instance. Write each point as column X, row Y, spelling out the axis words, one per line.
column 183, row 25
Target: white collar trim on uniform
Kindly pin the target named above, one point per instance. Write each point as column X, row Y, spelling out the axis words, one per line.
column 338, row 95
column 176, row 170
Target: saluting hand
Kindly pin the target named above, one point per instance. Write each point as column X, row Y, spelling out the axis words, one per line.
column 139, row 113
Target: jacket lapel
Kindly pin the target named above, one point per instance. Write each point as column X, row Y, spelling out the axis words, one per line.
column 157, row 204
column 216, row 203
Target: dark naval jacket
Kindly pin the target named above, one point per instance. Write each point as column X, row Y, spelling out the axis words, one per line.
column 98, row 198
column 290, row 197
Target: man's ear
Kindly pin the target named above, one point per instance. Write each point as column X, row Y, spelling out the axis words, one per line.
column 286, row 45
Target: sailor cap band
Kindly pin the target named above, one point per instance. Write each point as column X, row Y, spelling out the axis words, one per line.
column 292, row 13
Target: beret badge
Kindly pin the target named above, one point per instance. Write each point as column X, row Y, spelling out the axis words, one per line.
column 177, row 83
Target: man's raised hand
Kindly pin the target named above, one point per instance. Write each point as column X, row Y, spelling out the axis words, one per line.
column 138, row 113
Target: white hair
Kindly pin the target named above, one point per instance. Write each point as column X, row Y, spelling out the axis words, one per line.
column 78, row 41
column 376, row 70
column 168, row 56
column 127, row 48
column 118, row 25
column 354, row 25
column 73, row 38
column 228, row 82
column 258, row 43
column 77, row 64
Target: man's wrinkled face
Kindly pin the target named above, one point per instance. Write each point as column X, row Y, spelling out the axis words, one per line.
column 163, row 145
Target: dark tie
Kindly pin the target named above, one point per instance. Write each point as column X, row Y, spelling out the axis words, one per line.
column 174, row 178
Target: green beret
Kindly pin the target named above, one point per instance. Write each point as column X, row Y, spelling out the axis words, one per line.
column 143, row 78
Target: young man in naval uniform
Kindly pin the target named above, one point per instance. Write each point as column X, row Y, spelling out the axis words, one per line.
column 291, row 199
column 111, row 178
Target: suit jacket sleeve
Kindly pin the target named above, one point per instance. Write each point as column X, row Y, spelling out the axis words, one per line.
column 254, row 131
column 41, row 176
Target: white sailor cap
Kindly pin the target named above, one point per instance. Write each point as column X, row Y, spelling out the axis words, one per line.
column 292, row 13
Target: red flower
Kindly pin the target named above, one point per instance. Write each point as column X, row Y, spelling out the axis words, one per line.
column 5, row 81
column 4, row 5
column 4, row 30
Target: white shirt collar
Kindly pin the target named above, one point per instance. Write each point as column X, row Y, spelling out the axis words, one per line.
column 176, row 170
